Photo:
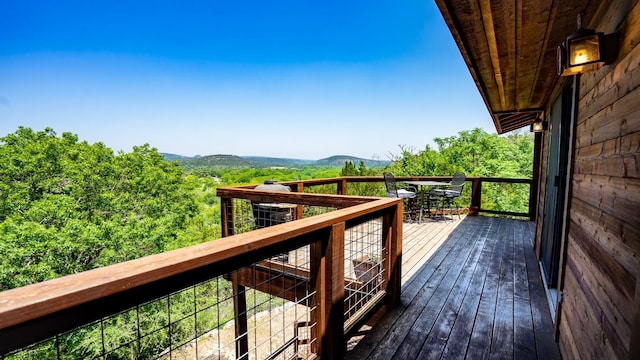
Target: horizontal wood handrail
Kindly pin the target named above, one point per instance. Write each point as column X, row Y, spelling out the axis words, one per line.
column 328, row 200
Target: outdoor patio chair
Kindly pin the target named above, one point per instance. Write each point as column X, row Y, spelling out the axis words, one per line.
column 449, row 196
column 407, row 193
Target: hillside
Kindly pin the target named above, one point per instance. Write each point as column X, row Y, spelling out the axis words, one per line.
column 171, row 157
column 339, row 160
column 210, row 161
column 283, row 162
column 234, row 161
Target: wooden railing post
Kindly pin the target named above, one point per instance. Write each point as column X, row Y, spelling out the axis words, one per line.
column 226, row 216
column 533, row 187
column 476, row 196
column 393, row 243
column 330, row 287
column 342, row 186
column 299, row 211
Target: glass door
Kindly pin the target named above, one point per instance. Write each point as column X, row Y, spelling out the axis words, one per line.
column 559, row 149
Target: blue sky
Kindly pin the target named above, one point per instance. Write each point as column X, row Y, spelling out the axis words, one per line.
column 299, row 79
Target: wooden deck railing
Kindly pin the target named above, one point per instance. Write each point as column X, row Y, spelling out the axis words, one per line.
column 37, row 312
column 475, row 205
column 339, row 301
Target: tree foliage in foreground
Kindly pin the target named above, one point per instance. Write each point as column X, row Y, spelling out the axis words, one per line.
column 68, row 206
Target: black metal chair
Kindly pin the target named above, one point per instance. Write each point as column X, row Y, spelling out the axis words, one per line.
column 449, row 197
column 408, row 194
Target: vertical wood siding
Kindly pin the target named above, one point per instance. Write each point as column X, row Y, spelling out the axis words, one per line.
column 599, row 314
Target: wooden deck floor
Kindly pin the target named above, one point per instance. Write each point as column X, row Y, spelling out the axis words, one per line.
column 471, row 290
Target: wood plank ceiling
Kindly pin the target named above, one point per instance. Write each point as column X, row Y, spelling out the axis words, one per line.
column 509, row 47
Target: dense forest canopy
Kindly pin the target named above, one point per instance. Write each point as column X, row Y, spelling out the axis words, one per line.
column 67, row 206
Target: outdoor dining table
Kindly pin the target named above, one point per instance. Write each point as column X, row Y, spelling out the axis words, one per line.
column 424, row 187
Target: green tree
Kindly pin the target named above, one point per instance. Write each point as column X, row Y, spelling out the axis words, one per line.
column 68, row 206
column 366, row 188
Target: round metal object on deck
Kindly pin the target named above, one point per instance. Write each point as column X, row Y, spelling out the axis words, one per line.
column 272, row 185
column 267, row 214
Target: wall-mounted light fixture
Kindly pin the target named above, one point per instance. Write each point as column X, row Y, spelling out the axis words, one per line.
column 538, row 125
column 585, row 51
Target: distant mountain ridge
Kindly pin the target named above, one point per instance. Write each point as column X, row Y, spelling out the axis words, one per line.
column 223, row 160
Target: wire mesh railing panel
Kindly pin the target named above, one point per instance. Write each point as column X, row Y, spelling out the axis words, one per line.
column 309, row 210
column 272, row 297
column 364, row 265
column 321, row 189
column 279, row 316
column 494, row 197
column 243, row 218
column 366, row 189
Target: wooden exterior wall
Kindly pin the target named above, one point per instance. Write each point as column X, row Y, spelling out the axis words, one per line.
column 599, row 317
